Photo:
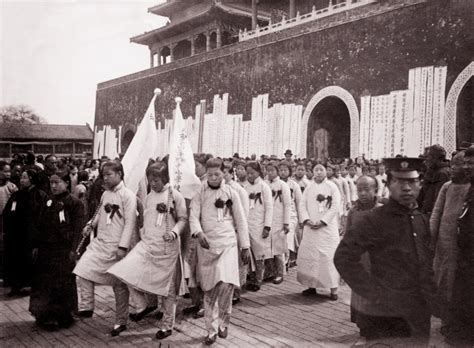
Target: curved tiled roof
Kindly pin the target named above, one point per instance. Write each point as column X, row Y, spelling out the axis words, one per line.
column 16, row 131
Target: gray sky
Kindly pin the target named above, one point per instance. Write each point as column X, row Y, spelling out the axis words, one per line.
column 54, row 52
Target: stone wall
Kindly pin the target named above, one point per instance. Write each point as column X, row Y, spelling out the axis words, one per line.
column 365, row 51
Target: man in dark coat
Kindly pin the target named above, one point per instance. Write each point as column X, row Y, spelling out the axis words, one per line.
column 437, row 173
column 398, row 285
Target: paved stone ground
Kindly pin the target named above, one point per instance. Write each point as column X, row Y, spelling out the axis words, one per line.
column 276, row 316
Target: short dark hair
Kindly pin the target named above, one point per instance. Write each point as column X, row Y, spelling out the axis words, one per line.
column 215, row 163
column 255, row 166
column 469, row 151
column 115, row 165
column 82, row 175
column 159, row 169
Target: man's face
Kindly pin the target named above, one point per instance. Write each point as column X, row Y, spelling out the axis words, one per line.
column 288, row 157
column 382, row 170
column 7, row 171
column 284, row 172
column 319, row 172
column 352, row 171
column 214, row 176
column 58, row 186
column 404, row 191
column 252, row 175
column 200, row 169
column 469, row 166
column 227, row 175
column 52, row 163
column 300, row 171
column 272, row 172
column 111, row 178
column 241, row 173
column 16, row 171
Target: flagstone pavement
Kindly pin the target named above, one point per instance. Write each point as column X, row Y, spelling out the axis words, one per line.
column 276, row 316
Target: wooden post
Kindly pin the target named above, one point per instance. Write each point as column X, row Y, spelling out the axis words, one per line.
column 292, row 9
column 152, row 63
column 218, row 37
column 208, row 42
column 254, row 14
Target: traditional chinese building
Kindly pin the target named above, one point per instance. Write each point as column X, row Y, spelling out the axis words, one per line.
column 322, row 77
column 45, row 139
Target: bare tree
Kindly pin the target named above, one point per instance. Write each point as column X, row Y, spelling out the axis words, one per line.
column 20, row 114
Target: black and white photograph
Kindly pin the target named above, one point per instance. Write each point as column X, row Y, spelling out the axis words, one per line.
column 237, row 173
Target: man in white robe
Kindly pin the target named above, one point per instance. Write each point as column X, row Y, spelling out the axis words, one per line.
column 116, row 223
column 216, row 212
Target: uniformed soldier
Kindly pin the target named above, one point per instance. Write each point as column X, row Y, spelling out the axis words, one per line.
column 399, row 283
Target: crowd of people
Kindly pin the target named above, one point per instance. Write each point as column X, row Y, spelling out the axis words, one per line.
column 400, row 233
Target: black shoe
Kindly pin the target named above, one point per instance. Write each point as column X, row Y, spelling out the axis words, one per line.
column 199, row 314
column 187, row 295
column 210, row 340
column 269, row 279
column 222, row 333
column 85, row 314
column 253, row 287
column 66, row 323
column 191, row 310
column 163, row 334
column 310, row 292
column 118, row 330
column 333, row 297
column 140, row 315
column 14, row 292
column 235, row 301
column 47, row 325
column 278, row 280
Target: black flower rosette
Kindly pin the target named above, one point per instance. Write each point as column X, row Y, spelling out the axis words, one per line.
column 111, row 210
column 219, row 203
column 321, row 198
column 161, row 208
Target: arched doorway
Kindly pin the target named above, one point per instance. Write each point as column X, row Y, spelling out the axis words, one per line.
column 126, row 140
column 465, row 114
column 330, row 124
column 459, row 110
column 329, row 128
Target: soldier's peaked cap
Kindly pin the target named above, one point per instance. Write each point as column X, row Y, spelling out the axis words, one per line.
column 404, row 167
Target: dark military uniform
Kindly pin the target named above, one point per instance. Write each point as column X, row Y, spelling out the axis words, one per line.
column 399, row 284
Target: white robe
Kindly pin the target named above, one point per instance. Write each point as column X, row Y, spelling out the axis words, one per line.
column 101, row 253
column 296, row 199
column 316, row 253
column 152, row 263
column 281, row 194
column 260, row 215
column 220, row 261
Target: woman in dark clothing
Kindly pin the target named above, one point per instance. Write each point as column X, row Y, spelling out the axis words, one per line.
column 20, row 221
column 53, row 293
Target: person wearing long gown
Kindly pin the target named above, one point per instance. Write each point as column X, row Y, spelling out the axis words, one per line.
column 444, row 233
column 116, row 224
column 280, row 222
column 20, row 223
column 53, row 291
column 321, row 204
column 216, row 213
column 367, row 188
column 244, row 200
column 259, row 221
column 285, row 171
column 154, row 266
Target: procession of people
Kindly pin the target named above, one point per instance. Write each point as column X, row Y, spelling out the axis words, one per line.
column 398, row 231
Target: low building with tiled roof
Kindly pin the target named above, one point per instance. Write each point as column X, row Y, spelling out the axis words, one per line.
column 66, row 140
